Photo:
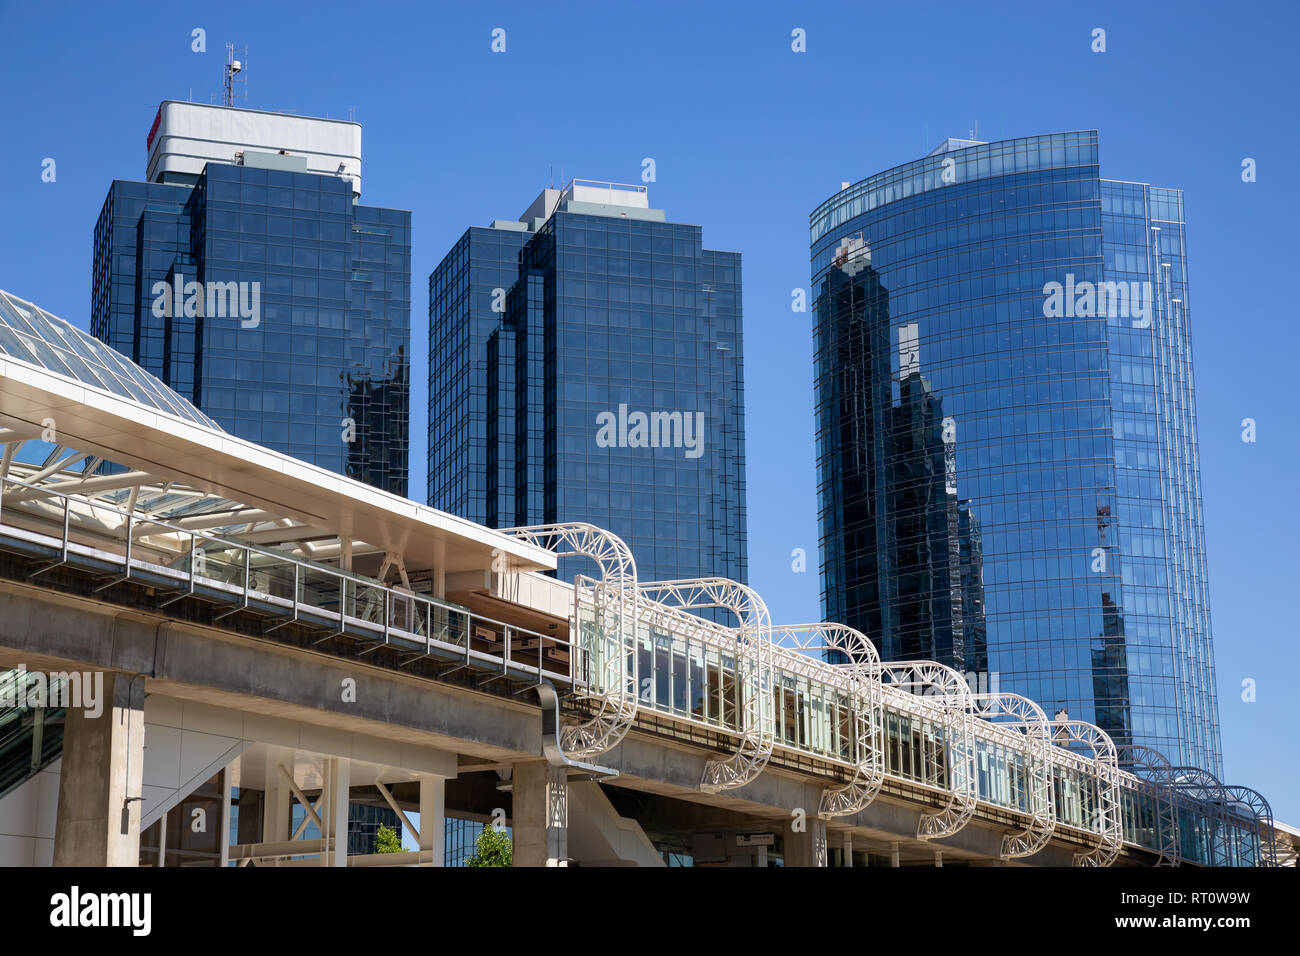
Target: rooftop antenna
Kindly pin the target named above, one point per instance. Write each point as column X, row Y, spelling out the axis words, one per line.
column 234, row 83
column 352, row 114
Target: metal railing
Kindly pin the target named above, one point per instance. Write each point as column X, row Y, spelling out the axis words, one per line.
column 245, row 577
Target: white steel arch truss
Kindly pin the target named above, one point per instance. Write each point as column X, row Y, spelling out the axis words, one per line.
column 1205, row 787
column 1226, row 805
column 1265, row 832
column 860, row 663
column 1154, row 776
column 949, row 694
column 1104, row 765
column 754, row 671
column 1035, row 738
column 610, row 650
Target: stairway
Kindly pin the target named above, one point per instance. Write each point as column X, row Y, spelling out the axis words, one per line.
column 30, row 737
column 598, row 836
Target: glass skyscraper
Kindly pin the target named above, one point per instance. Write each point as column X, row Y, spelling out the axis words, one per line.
column 586, row 365
column 1007, row 463
column 322, row 371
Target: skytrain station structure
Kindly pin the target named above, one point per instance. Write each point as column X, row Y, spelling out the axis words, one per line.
column 277, row 642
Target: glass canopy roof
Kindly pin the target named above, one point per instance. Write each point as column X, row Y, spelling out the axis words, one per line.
column 30, row 334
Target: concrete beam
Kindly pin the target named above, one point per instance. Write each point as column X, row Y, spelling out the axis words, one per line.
column 192, row 662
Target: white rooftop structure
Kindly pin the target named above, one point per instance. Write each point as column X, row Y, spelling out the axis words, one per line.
column 592, row 197
column 185, row 137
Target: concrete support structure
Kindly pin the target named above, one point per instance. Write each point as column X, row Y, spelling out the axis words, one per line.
column 541, row 814
column 276, row 804
column 433, row 817
column 848, row 847
column 338, row 774
column 893, row 854
column 99, row 787
column 806, row 846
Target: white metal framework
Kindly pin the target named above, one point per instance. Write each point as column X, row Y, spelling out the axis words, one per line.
column 1230, row 807
column 168, row 535
column 1258, row 809
column 1103, row 763
column 605, row 648
column 850, row 651
column 754, row 670
column 944, row 686
column 1155, row 777
column 1021, row 714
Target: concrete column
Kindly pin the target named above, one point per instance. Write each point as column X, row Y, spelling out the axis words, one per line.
column 276, row 803
column 938, row 858
column 338, row 775
column 433, row 817
column 100, row 787
column 541, row 814
column 224, row 839
column 848, row 847
column 893, row 854
column 807, row 846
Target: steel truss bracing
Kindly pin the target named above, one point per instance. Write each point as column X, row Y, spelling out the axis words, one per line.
column 1069, row 735
column 1020, row 714
column 755, row 675
column 1233, row 809
column 604, row 645
column 1155, row 777
column 852, row 653
column 1265, row 833
column 942, row 685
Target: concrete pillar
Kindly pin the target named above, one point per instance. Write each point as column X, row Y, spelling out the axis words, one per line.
column 806, row 846
column 848, row 847
column 541, row 814
column 938, row 858
column 224, row 839
column 276, row 803
column 338, row 775
column 893, row 854
column 100, row 786
column 433, row 817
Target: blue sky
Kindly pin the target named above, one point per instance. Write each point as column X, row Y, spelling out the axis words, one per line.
column 748, row 136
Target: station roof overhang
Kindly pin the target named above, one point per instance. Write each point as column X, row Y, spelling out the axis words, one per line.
column 171, row 449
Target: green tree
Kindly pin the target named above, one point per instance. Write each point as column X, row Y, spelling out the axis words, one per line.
column 386, row 840
column 492, row 849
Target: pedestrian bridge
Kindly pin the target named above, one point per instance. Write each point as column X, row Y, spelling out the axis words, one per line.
column 122, row 503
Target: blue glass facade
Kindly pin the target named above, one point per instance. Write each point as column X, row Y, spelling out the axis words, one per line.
column 464, row 313
column 324, row 372
column 604, row 317
column 1008, row 477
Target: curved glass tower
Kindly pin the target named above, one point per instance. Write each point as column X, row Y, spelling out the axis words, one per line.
column 1008, row 474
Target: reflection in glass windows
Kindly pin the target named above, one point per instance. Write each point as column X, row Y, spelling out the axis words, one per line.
column 323, row 373
column 1010, row 484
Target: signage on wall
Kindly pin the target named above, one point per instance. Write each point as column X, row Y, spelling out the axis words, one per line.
column 153, row 130
column 755, row 839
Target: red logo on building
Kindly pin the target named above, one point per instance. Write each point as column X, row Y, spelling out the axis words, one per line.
column 148, row 143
